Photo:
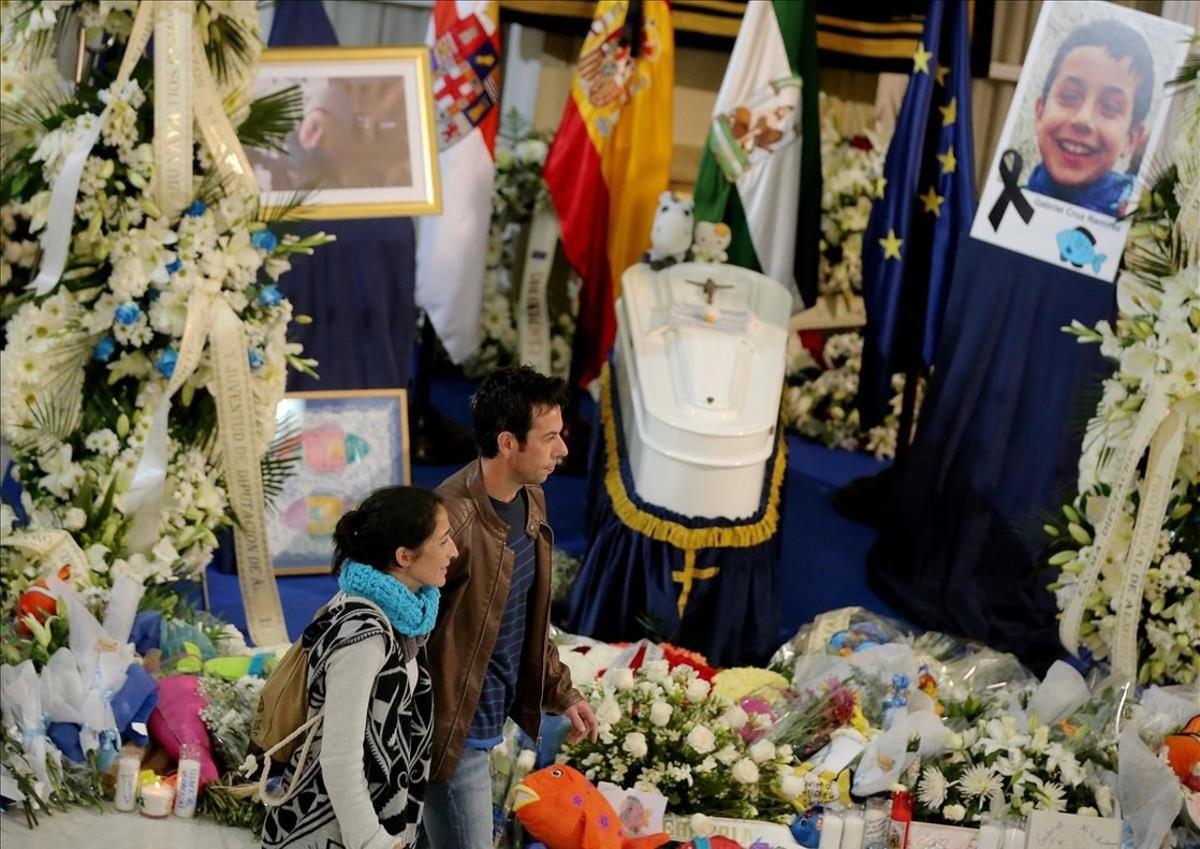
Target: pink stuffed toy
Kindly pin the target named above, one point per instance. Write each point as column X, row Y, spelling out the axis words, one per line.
column 177, row 721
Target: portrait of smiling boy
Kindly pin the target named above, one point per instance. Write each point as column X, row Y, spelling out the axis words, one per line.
column 1091, row 114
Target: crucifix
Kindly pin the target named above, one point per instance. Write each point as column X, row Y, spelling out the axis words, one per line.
column 710, row 288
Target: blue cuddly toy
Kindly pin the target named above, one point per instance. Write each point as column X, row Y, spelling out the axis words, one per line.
column 807, row 827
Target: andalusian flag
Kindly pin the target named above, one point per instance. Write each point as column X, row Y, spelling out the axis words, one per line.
column 452, row 247
column 611, row 159
column 761, row 169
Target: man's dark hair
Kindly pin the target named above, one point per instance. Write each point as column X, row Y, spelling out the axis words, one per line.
column 1118, row 41
column 508, row 399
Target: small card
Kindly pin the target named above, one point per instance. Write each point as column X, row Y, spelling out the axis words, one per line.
column 640, row 813
column 924, row 835
column 1068, row 831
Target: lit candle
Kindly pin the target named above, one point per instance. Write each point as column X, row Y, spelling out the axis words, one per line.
column 156, row 800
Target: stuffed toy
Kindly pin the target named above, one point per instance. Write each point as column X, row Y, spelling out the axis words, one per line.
column 807, row 827
column 39, row 601
column 711, row 241
column 671, row 235
column 1183, row 753
column 563, row 810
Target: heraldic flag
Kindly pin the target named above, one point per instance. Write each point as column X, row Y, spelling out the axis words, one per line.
column 611, row 157
column 761, row 169
column 928, row 200
column 452, row 247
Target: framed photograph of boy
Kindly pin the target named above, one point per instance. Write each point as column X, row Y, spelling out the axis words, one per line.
column 341, row 446
column 365, row 146
column 1079, row 142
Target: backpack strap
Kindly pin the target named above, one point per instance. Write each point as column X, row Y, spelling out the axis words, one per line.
column 311, row 726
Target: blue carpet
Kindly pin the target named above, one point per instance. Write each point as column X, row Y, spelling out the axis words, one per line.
column 824, row 555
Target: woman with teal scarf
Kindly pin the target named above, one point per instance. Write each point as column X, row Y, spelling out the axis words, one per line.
column 362, row 785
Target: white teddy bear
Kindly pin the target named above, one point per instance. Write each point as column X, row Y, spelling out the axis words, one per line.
column 711, row 241
column 671, row 235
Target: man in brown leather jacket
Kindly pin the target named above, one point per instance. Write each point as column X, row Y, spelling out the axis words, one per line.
column 490, row 655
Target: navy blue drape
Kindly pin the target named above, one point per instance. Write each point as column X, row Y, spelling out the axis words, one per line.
column 626, row 585
column 996, row 452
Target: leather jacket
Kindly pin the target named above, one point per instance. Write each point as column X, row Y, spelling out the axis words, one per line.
column 472, row 603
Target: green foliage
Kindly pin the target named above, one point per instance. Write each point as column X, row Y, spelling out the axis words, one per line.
column 271, row 118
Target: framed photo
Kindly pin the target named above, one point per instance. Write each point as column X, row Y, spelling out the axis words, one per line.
column 366, row 145
column 347, row 444
column 1080, row 138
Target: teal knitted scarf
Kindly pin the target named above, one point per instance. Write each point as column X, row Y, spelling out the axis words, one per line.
column 412, row 614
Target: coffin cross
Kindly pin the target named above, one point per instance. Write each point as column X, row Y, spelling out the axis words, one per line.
column 710, row 287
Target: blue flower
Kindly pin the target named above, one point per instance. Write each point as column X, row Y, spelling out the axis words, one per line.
column 256, row 358
column 128, row 312
column 174, row 266
column 264, row 240
column 196, row 209
column 105, row 348
column 270, row 296
column 166, row 362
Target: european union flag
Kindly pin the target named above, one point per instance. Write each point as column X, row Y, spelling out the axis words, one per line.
column 928, row 199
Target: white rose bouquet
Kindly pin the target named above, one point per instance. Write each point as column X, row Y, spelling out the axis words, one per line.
column 666, row 730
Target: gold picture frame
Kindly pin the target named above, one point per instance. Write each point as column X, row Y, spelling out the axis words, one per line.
column 346, row 444
column 366, row 146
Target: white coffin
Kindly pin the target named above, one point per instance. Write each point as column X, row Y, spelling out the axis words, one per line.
column 700, row 405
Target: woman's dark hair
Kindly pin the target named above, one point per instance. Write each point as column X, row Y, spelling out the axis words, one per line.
column 507, row 400
column 387, row 519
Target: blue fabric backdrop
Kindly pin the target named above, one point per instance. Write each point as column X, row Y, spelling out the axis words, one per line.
column 996, row 452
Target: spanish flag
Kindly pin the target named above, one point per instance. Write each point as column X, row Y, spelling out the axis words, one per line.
column 611, row 157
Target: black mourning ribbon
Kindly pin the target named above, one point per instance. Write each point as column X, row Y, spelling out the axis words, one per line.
column 1010, row 173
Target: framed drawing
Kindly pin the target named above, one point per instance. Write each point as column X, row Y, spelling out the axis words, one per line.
column 346, row 445
column 366, row 144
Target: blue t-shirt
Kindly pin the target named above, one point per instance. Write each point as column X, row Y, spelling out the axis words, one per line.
column 1104, row 195
column 500, row 683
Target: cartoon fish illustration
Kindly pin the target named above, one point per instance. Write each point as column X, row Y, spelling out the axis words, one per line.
column 315, row 514
column 1078, row 247
column 562, row 809
column 328, row 448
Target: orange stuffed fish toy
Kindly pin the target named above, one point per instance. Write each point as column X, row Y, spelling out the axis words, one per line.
column 561, row 808
column 1183, row 753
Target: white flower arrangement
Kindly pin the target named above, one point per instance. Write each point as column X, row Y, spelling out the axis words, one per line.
column 819, row 401
column 851, row 178
column 998, row 768
column 517, row 193
column 1156, row 340
column 85, row 365
column 662, row 731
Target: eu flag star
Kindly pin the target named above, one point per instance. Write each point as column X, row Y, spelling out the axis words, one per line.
column 949, row 113
column 948, row 161
column 933, row 201
column 941, row 73
column 921, row 59
column 891, row 245
column 880, row 185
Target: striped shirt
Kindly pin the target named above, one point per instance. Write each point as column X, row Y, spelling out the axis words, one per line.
column 500, row 683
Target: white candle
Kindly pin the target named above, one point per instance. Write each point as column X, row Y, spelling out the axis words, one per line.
column 156, row 800
column 831, row 830
column 125, row 796
column 854, row 830
column 1014, row 838
column 991, row 836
